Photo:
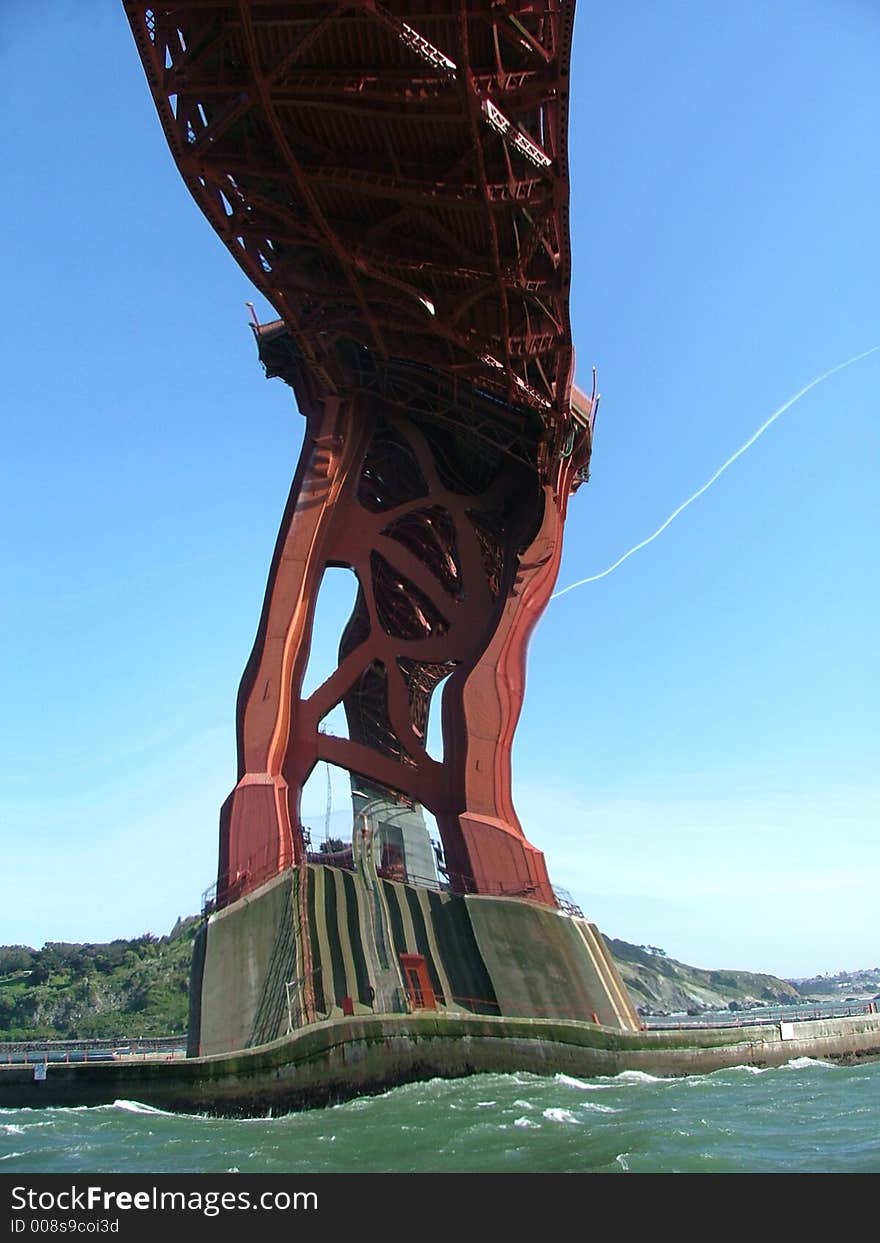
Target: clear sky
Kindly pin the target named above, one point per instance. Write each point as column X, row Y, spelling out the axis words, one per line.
column 698, row 754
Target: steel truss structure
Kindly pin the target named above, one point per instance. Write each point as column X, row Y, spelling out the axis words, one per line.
column 393, row 178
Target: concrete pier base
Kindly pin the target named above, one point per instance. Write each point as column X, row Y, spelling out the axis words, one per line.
column 319, row 943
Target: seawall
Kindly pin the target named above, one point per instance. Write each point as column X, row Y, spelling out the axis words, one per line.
column 352, row 1056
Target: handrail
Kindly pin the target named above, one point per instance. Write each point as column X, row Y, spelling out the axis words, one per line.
column 263, row 866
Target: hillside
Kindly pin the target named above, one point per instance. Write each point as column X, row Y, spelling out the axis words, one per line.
column 127, row 989
column 659, row 984
column 67, row 991
column 842, row 987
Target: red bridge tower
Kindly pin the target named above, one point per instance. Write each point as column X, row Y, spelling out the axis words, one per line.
column 393, row 177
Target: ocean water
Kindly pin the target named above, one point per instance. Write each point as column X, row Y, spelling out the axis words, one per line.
column 805, row 1117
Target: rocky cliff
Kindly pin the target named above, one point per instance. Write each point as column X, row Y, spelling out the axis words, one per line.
column 658, row 984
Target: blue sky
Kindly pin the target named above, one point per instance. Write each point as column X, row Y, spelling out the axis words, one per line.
column 698, row 751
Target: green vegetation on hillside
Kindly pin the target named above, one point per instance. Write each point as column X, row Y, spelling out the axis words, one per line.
column 67, row 991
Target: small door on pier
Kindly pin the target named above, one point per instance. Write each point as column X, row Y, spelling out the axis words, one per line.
column 419, row 990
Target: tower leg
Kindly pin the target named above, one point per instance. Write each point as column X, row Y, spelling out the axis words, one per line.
column 259, row 822
column 455, row 543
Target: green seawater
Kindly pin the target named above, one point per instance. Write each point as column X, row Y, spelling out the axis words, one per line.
column 806, row 1117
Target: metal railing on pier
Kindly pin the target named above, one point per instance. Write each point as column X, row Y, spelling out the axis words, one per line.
column 263, row 867
column 752, row 1018
column 35, row 1052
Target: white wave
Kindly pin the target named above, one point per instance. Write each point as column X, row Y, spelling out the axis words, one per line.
column 9, row 1155
column 138, row 1107
column 800, row 1063
column 560, row 1115
column 639, row 1076
column 527, row 1122
column 570, row 1082
column 11, row 1129
column 599, row 1109
column 51, row 1109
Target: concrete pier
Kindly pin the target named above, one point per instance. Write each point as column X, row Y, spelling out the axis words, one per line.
column 317, row 943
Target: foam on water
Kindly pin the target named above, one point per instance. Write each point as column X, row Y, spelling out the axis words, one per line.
column 137, row 1107
column 570, row 1082
column 560, row 1115
column 725, row 1122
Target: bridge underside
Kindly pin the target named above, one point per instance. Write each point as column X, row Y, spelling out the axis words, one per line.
column 393, row 177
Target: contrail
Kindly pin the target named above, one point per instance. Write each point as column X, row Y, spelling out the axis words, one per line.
column 582, row 582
